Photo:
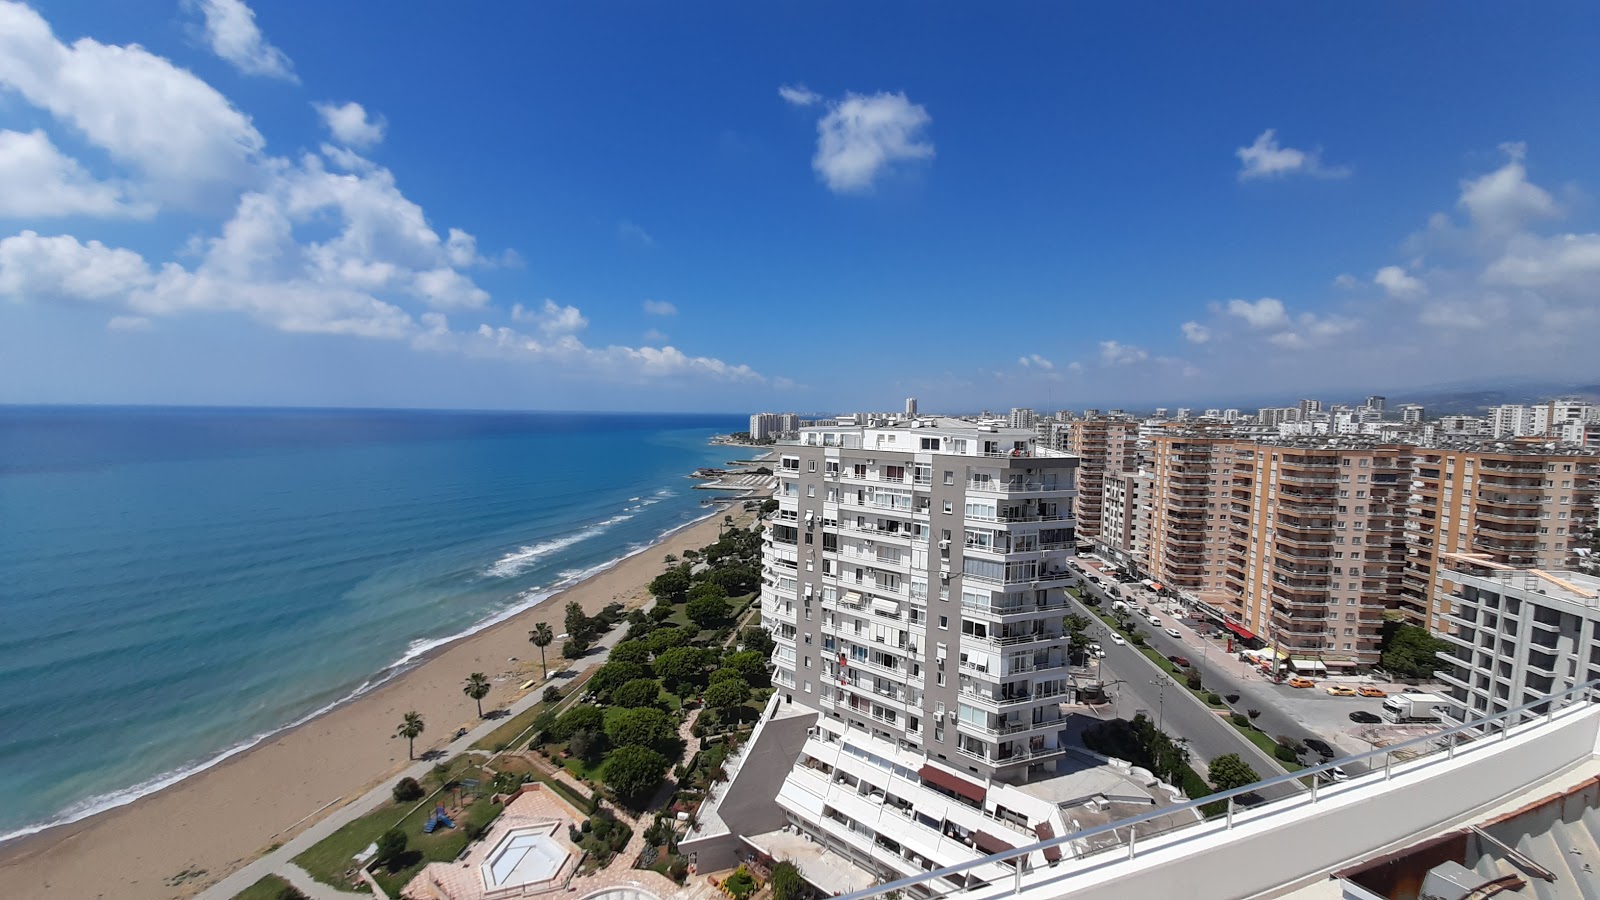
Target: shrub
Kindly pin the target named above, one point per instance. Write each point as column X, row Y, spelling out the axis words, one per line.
column 586, row 744
column 787, row 884
column 661, row 612
column 1285, row 754
column 552, row 694
column 407, row 789
column 1193, row 680
column 1239, row 720
column 575, row 648
column 391, row 846
column 1213, row 699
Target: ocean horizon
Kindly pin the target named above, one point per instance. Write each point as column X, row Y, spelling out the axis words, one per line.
column 178, row 584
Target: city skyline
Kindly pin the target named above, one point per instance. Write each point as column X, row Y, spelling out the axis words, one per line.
column 211, row 206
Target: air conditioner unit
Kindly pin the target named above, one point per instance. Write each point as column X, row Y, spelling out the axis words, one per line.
column 952, row 715
column 944, row 545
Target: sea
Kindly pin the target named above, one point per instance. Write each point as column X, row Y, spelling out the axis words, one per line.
column 178, row 584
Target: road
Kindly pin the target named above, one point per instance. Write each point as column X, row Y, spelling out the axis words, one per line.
column 1179, row 712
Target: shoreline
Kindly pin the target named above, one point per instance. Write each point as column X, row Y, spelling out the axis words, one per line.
column 235, row 803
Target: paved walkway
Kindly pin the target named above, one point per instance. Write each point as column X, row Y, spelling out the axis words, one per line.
column 278, row 861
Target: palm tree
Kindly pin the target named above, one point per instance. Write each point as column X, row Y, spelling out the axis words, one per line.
column 409, row 729
column 477, row 687
column 541, row 635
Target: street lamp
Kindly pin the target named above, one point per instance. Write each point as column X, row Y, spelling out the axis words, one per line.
column 1161, row 702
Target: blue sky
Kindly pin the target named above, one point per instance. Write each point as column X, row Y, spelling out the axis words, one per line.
column 797, row 206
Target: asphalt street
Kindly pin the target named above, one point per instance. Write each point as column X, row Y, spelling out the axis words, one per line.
column 1128, row 676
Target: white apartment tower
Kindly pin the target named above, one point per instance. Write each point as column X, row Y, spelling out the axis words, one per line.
column 1022, row 417
column 914, row 579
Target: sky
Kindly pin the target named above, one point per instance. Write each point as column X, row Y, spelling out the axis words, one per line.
column 813, row 207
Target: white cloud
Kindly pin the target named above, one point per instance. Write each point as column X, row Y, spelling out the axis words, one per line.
column 231, row 31
column 37, row 181
column 1114, row 353
column 630, row 233
column 1504, row 200
column 1195, row 333
column 1346, row 281
column 461, row 249
column 635, row 365
column 799, row 95
column 62, row 268
column 861, row 137
column 350, row 125
column 1400, row 285
column 1262, row 314
column 1565, row 261
column 183, row 137
column 1310, row 329
column 660, row 308
column 1267, row 159
column 552, row 318
column 1036, row 361
column 128, row 323
column 1075, row 367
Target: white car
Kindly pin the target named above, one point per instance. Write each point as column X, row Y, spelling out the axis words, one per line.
column 1117, row 639
column 1154, row 620
column 1098, row 653
column 1173, row 632
column 1337, row 773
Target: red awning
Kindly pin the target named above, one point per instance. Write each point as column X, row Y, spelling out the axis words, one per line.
column 949, row 782
column 988, row 843
column 1155, row 587
column 1240, row 630
column 1045, row 833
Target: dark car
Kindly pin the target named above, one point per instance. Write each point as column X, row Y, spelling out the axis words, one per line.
column 1180, row 661
column 1364, row 717
column 1319, row 747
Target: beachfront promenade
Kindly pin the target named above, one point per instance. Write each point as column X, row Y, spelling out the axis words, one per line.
column 278, row 862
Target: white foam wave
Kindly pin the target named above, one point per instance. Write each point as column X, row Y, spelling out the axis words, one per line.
column 520, row 560
column 524, row 601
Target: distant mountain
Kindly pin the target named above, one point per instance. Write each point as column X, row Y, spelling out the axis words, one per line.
column 1465, row 400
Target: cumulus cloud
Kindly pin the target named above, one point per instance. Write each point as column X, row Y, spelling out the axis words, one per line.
column 189, row 144
column 1266, row 158
column 350, row 125
column 1114, row 353
column 552, row 318
column 37, row 181
column 660, row 308
column 615, row 363
column 232, row 33
column 1034, row 360
column 861, row 137
column 1263, row 314
column 1504, row 200
column 1399, row 285
column 799, row 95
column 1195, row 333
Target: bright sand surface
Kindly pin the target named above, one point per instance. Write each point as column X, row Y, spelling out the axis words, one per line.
column 220, row 819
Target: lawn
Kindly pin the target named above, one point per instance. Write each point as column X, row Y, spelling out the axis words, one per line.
column 502, row 738
column 268, row 888
column 1265, row 742
column 444, row 845
column 329, row 859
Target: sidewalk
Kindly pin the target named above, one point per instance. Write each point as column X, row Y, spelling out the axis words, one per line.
column 278, row 862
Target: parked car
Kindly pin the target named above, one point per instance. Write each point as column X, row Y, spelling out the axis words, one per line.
column 1340, row 690
column 1319, row 747
column 1363, row 717
column 1298, row 682
column 1117, row 639
column 1173, row 632
column 1098, row 653
column 1369, row 691
column 1179, row 661
column 1335, row 774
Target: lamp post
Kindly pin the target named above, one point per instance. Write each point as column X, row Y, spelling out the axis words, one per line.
column 1161, row 702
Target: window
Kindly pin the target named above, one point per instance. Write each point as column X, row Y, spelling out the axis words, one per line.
column 949, row 477
column 949, row 507
column 811, row 465
column 944, row 623
column 929, row 443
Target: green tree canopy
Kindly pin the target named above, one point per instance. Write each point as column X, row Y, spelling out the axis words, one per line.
column 1411, row 652
column 707, row 589
column 643, row 727
column 614, row 674
column 1228, row 771
column 577, row 620
column 682, row 665
column 737, row 579
column 728, row 693
column 580, row 716
column 633, row 773
column 632, row 651
column 391, row 846
column 664, row 639
column 672, row 585
column 707, row 611
column 754, row 637
column 637, row 693
column 750, row 664
column 787, row 883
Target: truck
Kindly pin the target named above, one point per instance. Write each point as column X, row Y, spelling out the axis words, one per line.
column 1400, row 708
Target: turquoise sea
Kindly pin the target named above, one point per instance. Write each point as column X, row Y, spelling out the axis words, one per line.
column 176, row 584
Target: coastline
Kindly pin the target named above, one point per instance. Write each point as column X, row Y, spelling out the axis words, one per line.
column 185, row 835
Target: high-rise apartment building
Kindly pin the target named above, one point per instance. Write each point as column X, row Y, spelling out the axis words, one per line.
column 1515, row 505
column 1307, row 407
column 1376, row 402
column 1104, row 445
column 911, row 407
column 1183, row 412
column 1125, row 525
column 1191, row 475
column 1315, row 544
column 914, row 579
column 1411, row 414
column 1022, row 417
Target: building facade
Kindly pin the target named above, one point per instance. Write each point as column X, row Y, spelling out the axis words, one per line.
column 1104, row 445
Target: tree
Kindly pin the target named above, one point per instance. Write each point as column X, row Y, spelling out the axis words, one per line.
column 672, row 585
column 707, row 588
column 1410, row 651
column 391, row 846
column 736, row 580
column 768, row 507
column 477, row 687
column 787, row 884
column 707, row 611
column 681, row 665
column 633, row 773
column 576, row 718
column 542, row 636
column 634, row 651
column 410, row 728
column 662, row 640
column 575, row 648
column 407, row 789
column 1077, row 639
column 671, row 560
column 613, row 675
column 642, row 727
column 754, row 637
column 1228, row 771
column 639, row 692
column 750, row 664
column 728, row 693
column 586, row 744
column 577, row 620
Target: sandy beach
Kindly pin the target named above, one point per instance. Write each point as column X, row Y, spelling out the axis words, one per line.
column 180, row 840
